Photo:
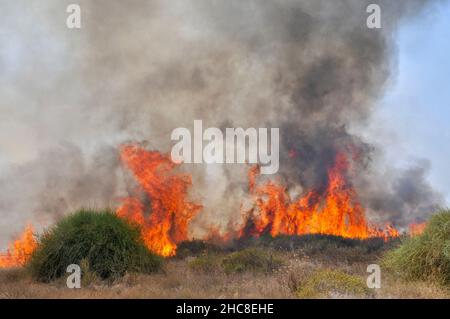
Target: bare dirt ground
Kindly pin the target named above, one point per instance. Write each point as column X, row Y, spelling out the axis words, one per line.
column 180, row 280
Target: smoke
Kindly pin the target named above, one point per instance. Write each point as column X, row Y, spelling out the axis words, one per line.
column 138, row 69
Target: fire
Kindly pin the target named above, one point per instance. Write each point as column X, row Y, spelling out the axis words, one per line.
column 161, row 208
column 335, row 212
column 167, row 220
column 19, row 251
column 417, row 229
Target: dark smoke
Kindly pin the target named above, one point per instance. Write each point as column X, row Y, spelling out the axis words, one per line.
column 138, row 69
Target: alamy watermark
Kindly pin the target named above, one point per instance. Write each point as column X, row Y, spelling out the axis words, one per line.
column 374, row 279
column 74, row 19
column 212, row 146
column 374, row 19
column 74, row 279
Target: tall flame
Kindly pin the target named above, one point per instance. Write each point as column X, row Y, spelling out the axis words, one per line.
column 335, row 212
column 20, row 250
column 170, row 212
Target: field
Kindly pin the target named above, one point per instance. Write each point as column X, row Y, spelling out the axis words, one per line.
column 306, row 267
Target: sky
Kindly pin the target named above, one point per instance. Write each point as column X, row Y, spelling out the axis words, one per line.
column 415, row 111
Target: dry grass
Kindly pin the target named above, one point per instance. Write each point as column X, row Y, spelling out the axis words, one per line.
column 181, row 280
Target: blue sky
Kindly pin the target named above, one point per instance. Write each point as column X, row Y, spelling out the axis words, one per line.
column 415, row 111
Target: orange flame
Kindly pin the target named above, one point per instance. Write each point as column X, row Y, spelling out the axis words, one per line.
column 417, row 229
column 337, row 212
column 167, row 221
column 20, row 250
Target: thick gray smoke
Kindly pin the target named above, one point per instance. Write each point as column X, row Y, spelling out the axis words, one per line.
column 138, row 69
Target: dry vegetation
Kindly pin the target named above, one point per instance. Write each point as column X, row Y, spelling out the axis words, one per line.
column 320, row 268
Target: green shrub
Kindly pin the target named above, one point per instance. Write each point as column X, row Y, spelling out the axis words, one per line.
column 424, row 257
column 105, row 244
column 328, row 283
column 250, row 259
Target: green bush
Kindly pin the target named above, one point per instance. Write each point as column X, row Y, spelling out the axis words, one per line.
column 326, row 283
column 105, row 244
column 424, row 257
column 250, row 259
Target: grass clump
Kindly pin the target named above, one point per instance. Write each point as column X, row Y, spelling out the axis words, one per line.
column 207, row 263
column 326, row 283
column 250, row 259
column 424, row 257
column 100, row 242
column 12, row 275
column 88, row 277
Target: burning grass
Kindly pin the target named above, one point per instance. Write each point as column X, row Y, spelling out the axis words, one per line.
column 334, row 209
column 171, row 211
column 20, row 250
column 427, row 256
column 100, row 241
